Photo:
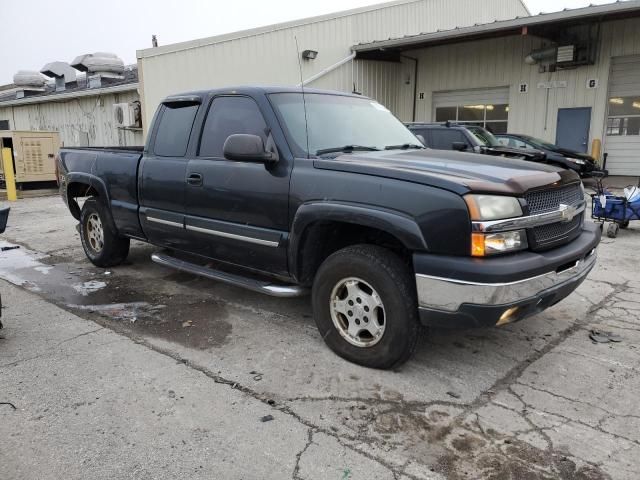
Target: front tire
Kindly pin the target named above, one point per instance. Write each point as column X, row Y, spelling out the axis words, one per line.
column 101, row 243
column 365, row 306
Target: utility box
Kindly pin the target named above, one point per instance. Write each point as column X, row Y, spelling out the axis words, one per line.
column 34, row 154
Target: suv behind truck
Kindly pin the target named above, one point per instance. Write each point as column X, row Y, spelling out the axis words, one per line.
column 329, row 192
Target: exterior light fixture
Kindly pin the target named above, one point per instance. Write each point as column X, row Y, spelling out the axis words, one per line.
column 309, row 54
column 617, row 101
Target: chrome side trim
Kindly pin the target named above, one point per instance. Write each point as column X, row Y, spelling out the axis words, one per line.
column 275, row 290
column 448, row 294
column 164, row 222
column 565, row 213
column 217, row 233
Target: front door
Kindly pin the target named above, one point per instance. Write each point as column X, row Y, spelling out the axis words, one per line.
column 237, row 211
column 573, row 127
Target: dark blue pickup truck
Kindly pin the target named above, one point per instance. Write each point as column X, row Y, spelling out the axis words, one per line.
column 288, row 192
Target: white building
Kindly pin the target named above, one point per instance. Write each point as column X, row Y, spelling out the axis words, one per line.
column 585, row 85
column 268, row 55
column 82, row 113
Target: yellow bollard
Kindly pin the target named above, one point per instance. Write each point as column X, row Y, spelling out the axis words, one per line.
column 9, row 176
column 596, row 149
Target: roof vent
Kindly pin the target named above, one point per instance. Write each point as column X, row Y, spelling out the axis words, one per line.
column 28, row 82
column 102, row 68
column 61, row 72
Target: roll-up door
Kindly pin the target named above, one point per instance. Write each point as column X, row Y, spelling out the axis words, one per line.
column 486, row 107
column 622, row 141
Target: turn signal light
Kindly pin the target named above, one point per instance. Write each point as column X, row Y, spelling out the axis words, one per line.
column 484, row 244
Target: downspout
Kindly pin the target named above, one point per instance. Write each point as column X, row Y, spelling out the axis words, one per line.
column 330, row 69
column 415, row 85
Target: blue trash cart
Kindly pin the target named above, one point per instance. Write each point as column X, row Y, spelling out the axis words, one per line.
column 617, row 210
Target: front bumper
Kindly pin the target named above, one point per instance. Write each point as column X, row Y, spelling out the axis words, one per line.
column 473, row 299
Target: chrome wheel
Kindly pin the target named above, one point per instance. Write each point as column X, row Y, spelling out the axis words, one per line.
column 94, row 233
column 357, row 312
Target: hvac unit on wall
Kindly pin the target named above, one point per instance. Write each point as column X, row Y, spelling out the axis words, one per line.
column 127, row 115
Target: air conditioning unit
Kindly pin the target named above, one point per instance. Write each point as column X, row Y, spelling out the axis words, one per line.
column 126, row 115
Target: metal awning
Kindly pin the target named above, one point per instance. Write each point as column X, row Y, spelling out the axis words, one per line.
column 542, row 25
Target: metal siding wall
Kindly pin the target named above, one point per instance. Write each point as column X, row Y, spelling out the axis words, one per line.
column 500, row 62
column 74, row 116
column 271, row 58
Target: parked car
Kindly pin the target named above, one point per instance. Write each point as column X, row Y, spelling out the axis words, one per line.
column 469, row 138
column 330, row 192
column 580, row 163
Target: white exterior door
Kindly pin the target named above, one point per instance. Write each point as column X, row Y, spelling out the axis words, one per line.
column 622, row 141
column 486, row 107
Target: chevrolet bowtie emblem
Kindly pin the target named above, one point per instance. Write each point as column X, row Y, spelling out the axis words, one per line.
column 567, row 212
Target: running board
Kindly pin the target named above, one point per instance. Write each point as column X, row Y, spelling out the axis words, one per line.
column 249, row 283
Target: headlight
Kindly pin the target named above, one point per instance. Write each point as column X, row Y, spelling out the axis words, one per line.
column 485, row 244
column 577, row 161
column 492, row 207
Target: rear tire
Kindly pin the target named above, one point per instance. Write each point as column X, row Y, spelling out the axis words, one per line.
column 101, row 243
column 365, row 306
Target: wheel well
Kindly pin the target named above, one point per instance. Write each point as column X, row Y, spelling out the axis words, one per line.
column 78, row 190
column 321, row 239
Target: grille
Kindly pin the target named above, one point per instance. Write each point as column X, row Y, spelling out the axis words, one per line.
column 549, row 200
column 546, row 236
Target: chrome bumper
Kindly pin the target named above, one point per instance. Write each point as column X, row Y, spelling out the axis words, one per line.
column 448, row 294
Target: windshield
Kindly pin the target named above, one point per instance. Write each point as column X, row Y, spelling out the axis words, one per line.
column 485, row 137
column 336, row 122
column 536, row 142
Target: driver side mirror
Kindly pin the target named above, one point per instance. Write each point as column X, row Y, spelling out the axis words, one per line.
column 243, row 147
column 459, row 146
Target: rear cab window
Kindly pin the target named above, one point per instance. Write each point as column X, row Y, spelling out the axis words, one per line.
column 174, row 130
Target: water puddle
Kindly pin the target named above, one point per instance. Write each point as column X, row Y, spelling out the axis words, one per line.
column 117, row 300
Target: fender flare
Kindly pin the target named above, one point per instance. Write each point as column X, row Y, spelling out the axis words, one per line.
column 91, row 181
column 399, row 225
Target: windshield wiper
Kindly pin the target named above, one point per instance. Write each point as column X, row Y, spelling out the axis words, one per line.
column 404, row 146
column 347, row 149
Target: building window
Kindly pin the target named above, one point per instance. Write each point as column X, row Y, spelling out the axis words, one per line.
column 624, row 116
column 492, row 117
column 4, row 124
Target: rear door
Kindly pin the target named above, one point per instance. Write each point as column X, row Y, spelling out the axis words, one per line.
column 237, row 211
column 162, row 177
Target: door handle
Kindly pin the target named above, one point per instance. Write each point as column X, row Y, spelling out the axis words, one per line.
column 194, row 179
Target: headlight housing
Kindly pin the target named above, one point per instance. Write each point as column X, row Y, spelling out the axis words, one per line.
column 486, row 208
column 577, row 161
column 492, row 207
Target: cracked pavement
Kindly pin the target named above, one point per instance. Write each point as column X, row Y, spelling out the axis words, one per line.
column 143, row 372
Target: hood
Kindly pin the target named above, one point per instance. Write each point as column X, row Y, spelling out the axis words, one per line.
column 455, row 171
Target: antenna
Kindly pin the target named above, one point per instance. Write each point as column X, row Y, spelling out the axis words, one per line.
column 304, row 100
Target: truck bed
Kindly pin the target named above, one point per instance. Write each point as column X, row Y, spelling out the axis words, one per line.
column 113, row 172
column 135, row 148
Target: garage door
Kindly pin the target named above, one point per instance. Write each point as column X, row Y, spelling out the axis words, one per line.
column 622, row 141
column 487, row 107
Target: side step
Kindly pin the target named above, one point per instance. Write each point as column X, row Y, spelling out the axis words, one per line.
column 249, row 283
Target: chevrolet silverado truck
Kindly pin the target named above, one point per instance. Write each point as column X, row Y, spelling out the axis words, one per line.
column 285, row 192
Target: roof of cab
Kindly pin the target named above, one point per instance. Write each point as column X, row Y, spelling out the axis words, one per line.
column 200, row 95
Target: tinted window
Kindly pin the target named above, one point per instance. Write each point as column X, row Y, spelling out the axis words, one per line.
column 443, row 138
column 174, row 130
column 228, row 116
column 424, row 133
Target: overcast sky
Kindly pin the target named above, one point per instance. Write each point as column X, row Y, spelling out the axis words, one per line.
column 40, row 31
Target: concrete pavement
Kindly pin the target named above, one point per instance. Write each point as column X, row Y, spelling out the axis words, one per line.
column 533, row 400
